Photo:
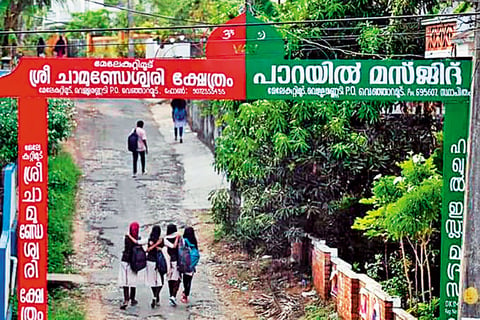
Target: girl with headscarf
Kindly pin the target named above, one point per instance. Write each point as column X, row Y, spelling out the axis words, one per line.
column 127, row 278
column 171, row 242
column 190, row 240
column 154, row 279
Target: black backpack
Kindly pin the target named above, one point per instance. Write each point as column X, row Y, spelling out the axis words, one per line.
column 161, row 263
column 132, row 141
column 138, row 260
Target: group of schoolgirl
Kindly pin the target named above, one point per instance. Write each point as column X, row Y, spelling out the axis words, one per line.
column 174, row 256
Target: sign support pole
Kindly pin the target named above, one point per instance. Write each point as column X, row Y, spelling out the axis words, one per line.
column 470, row 276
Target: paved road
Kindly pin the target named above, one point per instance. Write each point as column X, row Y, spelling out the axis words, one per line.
column 178, row 180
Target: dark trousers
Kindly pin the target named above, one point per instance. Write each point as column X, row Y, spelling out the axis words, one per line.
column 129, row 295
column 173, row 287
column 156, row 292
column 135, row 160
column 178, row 131
column 187, row 284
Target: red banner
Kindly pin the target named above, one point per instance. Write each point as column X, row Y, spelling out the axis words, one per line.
column 127, row 78
column 32, row 218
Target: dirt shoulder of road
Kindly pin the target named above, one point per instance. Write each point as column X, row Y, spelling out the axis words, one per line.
column 249, row 287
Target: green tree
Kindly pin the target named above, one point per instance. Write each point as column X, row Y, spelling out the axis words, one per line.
column 99, row 19
column 406, row 209
column 12, row 11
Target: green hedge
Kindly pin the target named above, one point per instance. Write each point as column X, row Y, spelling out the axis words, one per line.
column 62, row 185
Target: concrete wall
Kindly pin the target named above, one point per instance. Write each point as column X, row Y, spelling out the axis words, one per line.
column 204, row 126
column 356, row 296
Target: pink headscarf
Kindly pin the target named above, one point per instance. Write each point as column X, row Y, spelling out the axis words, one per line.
column 134, row 226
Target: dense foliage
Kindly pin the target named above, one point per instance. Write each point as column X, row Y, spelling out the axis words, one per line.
column 305, row 164
column 61, row 123
column 407, row 210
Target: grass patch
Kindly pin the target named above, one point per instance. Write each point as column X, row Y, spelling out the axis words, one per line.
column 320, row 310
column 66, row 305
column 62, row 187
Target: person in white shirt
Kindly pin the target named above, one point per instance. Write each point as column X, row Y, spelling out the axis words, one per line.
column 142, row 148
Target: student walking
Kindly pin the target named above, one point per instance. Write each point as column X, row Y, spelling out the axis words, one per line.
column 127, row 278
column 191, row 241
column 154, row 279
column 179, row 117
column 141, row 149
column 173, row 275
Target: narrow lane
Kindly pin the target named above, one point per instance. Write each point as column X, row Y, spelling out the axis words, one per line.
column 110, row 199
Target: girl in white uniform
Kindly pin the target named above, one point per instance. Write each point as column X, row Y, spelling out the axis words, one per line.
column 154, row 279
column 127, row 278
column 173, row 276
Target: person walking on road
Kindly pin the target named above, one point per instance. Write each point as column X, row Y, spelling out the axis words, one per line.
column 191, row 241
column 179, row 117
column 173, row 275
column 153, row 278
column 142, row 148
column 127, row 278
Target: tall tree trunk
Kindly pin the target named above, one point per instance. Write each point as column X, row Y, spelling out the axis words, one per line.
column 419, row 264
column 236, row 198
column 429, row 273
column 407, row 276
column 387, row 273
column 422, row 273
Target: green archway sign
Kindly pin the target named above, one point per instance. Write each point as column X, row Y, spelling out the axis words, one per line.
column 244, row 61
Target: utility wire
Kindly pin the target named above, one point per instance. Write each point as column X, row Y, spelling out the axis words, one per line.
column 303, row 22
column 144, row 13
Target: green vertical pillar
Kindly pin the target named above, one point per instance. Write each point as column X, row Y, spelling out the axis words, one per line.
column 455, row 136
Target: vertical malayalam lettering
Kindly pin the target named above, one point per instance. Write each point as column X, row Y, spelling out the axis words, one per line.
column 455, row 128
column 32, row 220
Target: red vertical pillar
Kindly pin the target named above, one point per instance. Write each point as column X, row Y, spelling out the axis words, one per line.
column 32, row 219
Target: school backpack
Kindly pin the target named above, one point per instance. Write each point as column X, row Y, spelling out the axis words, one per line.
column 138, row 260
column 179, row 114
column 194, row 254
column 132, row 141
column 161, row 263
column 184, row 262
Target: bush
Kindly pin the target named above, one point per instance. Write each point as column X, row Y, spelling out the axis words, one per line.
column 221, row 208
column 64, row 305
column 61, row 123
column 62, row 184
column 320, row 311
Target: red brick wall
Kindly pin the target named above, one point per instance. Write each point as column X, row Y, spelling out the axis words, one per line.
column 348, row 297
column 349, row 285
column 321, row 264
